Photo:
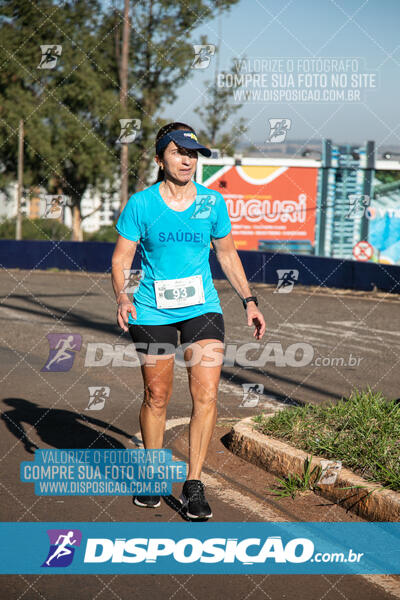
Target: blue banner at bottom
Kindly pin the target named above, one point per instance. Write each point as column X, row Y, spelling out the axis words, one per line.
column 200, row 548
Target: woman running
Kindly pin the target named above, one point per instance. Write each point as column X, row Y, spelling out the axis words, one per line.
column 175, row 219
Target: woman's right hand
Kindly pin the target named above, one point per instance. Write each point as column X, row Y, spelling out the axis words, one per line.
column 125, row 307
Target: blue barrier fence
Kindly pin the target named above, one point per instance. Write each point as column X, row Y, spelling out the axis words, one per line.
column 260, row 267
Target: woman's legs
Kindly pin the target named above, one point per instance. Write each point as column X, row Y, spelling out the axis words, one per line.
column 204, row 375
column 157, row 372
column 204, row 359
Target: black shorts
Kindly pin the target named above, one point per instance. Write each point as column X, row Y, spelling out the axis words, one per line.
column 163, row 339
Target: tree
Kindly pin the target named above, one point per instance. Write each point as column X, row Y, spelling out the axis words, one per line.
column 35, row 229
column 217, row 113
column 70, row 111
column 123, row 78
column 162, row 59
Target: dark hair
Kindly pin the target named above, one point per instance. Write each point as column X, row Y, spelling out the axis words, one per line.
column 166, row 129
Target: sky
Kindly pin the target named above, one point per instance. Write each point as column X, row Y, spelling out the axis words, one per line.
column 364, row 30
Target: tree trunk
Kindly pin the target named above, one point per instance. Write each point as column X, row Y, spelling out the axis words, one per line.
column 77, row 233
column 123, row 71
column 141, row 173
column 20, row 188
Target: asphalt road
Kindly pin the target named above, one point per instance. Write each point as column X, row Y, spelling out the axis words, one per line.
column 319, row 346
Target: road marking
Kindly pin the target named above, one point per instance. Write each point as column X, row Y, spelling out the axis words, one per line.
column 357, row 325
column 239, row 500
column 12, row 314
column 309, row 329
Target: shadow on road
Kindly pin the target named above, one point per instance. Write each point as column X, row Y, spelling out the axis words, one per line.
column 58, row 428
column 174, row 503
column 65, row 429
column 68, row 317
column 257, row 376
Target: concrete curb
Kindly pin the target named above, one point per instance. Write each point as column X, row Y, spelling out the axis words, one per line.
column 281, row 459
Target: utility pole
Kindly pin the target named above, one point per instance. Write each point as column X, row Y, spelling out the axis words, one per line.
column 123, row 75
column 18, row 229
column 217, row 57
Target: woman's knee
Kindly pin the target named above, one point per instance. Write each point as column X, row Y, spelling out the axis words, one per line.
column 205, row 395
column 157, row 397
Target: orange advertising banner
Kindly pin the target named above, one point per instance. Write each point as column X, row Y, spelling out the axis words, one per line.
column 267, row 203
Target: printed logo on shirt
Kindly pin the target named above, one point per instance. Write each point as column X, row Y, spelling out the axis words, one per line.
column 203, row 206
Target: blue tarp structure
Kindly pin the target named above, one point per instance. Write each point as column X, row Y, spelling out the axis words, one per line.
column 260, row 267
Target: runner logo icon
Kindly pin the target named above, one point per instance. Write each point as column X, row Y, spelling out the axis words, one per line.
column 133, row 277
column 98, row 397
column 62, row 351
column 50, row 55
column 54, row 206
column 278, row 130
column 62, row 547
column 129, row 130
column 251, row 394
column 287, row 279
column 202, row 55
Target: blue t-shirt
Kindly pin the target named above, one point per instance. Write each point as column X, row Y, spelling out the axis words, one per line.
column 175, row 244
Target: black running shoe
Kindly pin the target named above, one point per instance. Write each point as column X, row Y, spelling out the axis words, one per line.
column 147, row 501
column 193, row 499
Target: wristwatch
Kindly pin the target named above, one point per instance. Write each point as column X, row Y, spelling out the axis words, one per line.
column 249, row 299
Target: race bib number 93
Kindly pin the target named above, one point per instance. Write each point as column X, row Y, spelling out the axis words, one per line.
column 175, row 293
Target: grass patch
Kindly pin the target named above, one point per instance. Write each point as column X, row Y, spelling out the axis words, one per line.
column 363, row 431
column 294, row 484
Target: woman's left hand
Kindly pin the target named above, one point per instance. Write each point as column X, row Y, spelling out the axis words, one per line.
column 254, row 316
